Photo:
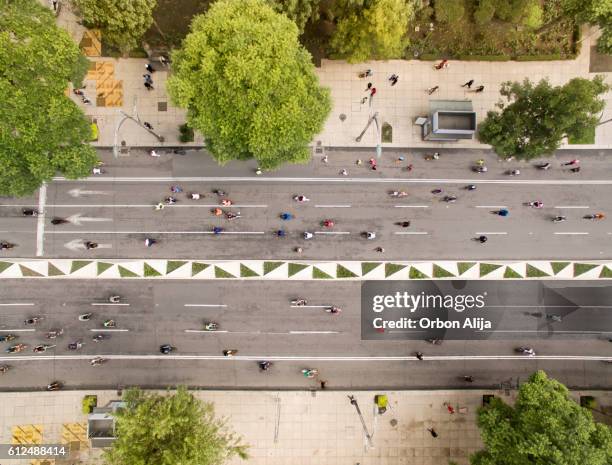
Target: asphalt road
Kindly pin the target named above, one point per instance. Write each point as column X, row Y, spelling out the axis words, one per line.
column 257, row 319
column 119, row 216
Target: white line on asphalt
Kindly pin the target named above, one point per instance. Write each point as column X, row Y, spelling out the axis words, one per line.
column 314, row 332
column 571, row 206
column 17, row 305
column 261, row 332
column 572, row 233
column 491, row 206
column 17, row 330
column 205, row 305
column 40, row 225
column 310, row 306
column 151, row 206
column 204, row 331
column 411, row 206
column 491, row 233
column 411, row 233
column 108, row 330
column 110, row 304
column 306, row 358
column 332, row 206
column 250, row 179
column 154, row 232
column 331, row 232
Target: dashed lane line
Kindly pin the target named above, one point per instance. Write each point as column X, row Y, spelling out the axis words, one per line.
column 109, row 330
column 17, row 304
column 110, row 304
column 411, row 233
column 571, row 206
column 205, row 305
column 332, row 206
column 156, row 232
column 411, row 206
column 331, row 233
column 493, row 233
column 262, row 332
column 571, row 233
column 151, row 206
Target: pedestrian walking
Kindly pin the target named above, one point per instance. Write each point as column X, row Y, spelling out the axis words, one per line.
column 468, row 84
column 343, row 172
column 258, row 171
column 364, row 100
column 431, row 90
column 324, row 159
column 86, row 101
column 409, row 167
column 54, row 3
column 479, row 89
column 571, row 162
column 443, row 64
column 450, row 408
column 468, row 379
column 400, row 159
column 366, row 73
column 159, row 206
column 149, row 242
column 153, row 153
column 149, row 68
column 379, row 250
column 393, row 79
column 323, row 384
column 148, row 86
column 433, row 432
column 369, row 86
column 372, row 91
column 163, row 60
column 148, row 78
column 148, row 125
column 359, row 162
column 419, row 355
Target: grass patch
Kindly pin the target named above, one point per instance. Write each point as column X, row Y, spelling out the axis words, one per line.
column 587, row 138
column 366, row 267
column 78, row 264
column 25, row 271
column 344, row 272
column 387, row 133
column 125, row 273
column 558, row 266
column 268, row 267
column 416, row 274
column 150, row 272
column 605, row 272
column 462, row 267
column 439, row 272
column 5, row 265
column 581, row 268
column 318, row 273
column 53, row 270
column 221, row 273
column 174, row 265
column 533, row 272
column 88, row 403
column 392, row 268
column 487, row 268
column 246, row 272
column 509, row 273
column 198, row 267
column 295, row 268
column 102, row 267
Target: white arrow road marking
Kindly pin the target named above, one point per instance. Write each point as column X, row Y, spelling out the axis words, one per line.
column 78, row 219
column 79, row 244
column 80, row 192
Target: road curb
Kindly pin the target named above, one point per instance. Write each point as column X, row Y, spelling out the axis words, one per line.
column 303, row 270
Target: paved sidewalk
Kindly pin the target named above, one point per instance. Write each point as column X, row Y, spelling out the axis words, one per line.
column 301, row 270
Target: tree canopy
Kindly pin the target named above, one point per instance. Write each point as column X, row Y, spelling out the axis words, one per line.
column 173, row 429
column 41, row 130
column 545, row 426
column 526, row 12
column 376, row 29
column 123, row 22
column 300, row 11
column 537, row 117
column 248, row 85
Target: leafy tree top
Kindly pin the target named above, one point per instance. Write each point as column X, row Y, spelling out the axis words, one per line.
column 545, row 426
column 248, row 85
column 123, row 22
column 172, row 429
column 41, row 130
column 300, row 11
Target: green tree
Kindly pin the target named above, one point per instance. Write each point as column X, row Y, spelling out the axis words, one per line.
column 526, row 12
column 41, row 130
column 597, row 12
column 173, row 429
column 538, row 117
column 248, row 85
column 300, row 11
column 545, row 426
column 123, row 22
column 449, row 11
column 375, row 29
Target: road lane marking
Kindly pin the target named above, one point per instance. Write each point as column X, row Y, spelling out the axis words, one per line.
column 498, row 233
column 151, row 206
column 411, row 206
column 204, row 331
column 111, row 304
column 314, row 332
column 344, row 180
column 108, row 330
column 205, row 305
column 411, row 233
column 331, row 232
column 20, row 304
column 332, row 206
column 491, row 206
column 17, row 330
column 571, row 233
column 571, row 206
column 40, row 225
column 152, row 232
column 310, row 306
column 305, row 358
column 261, row 332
